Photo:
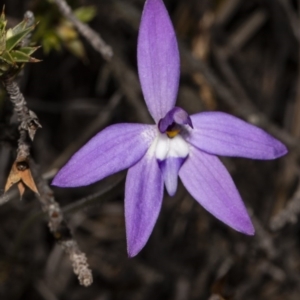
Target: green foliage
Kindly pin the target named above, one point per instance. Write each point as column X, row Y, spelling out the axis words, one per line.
column 85, row 13
column 55, row 32
column 13, row 54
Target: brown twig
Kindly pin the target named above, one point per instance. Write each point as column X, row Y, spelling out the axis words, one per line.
column 292, row 17
column 21, row 174
column 244, row 32
column 264, row 239
column 60, row 230
column 288, row 214
column 58, row 227
column 92, row 37
column 227, row 11
column 28, row 119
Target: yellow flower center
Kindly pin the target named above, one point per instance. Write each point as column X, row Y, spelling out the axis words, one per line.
column 172, row 133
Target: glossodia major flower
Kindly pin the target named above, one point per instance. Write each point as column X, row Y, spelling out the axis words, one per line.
column 178, row 144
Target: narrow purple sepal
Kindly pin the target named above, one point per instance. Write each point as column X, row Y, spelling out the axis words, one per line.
column 222, row 134
column 158, row 59
column 170, row 168
column 176, row 115
column 143, row 199
column 208, row 181
column 115, row 148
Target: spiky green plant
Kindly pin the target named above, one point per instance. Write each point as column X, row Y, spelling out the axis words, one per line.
column 14, row 52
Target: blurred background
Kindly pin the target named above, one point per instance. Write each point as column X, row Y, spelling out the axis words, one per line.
column 240, row 57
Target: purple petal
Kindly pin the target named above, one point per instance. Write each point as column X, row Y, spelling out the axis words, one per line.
column 158, row 59
column 222, row 134
column 170, row 168
column 114, row 149
column 175, row 116
column 208, row 181
column 143, row 198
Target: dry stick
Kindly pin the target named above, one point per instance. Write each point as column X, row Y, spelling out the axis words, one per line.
column 288, row 214
column 292, row 16
column 92, row 37
column 245, row 32
column 60, row 230
column 235, row 42
column 231, row 77
column 264, row 239
column 28, row 119
column 29, row 122
column 226, row 12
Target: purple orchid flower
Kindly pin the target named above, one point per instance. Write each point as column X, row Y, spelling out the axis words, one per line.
column 178, row 144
